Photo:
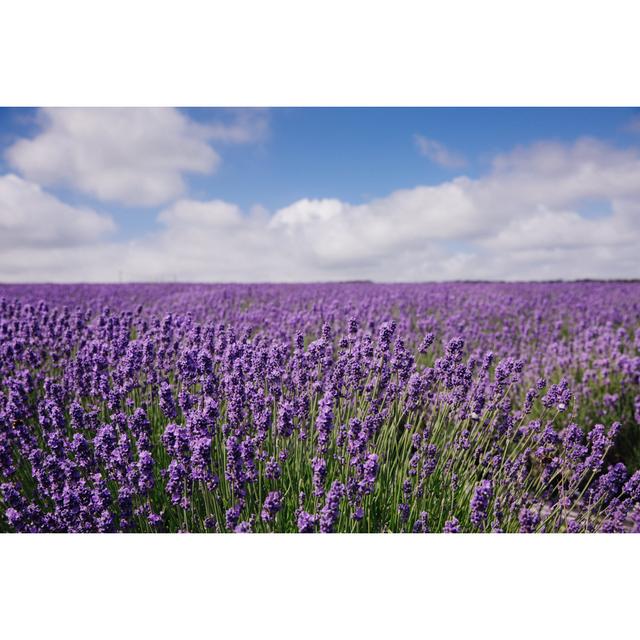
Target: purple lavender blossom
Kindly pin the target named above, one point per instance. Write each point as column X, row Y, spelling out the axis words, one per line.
column 232, row 515
column 426, row 343
column 271, row 506
column 369, row 472
column 403, row 510
column 528, row 520
column 306, row 522
column 452, row 526
column 331, row 511
column 319, row 467
column 421, row 525
column 480, row 502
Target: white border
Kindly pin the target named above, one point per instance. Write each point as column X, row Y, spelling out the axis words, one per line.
column 311, row 53
column 334, row 52
column 295, row 586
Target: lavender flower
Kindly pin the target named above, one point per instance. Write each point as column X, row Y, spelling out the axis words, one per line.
column 528, row 520
column 271, row 506
column 480, row 502
column 306, row 522
column 331, row 510
column 421, row 525
column 452, row 526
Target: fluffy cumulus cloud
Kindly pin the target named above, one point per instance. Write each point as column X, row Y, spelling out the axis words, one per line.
column 212, row 241
column 31, row 217
column 530, row 216
column 133, row 156
column 522, row 220
column 38, row 232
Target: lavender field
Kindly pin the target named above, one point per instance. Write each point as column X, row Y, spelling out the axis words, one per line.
column 320, row 408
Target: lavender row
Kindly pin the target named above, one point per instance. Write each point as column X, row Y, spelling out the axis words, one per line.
column 330, row 408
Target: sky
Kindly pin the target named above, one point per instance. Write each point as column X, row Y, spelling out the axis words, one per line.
column 318, row 194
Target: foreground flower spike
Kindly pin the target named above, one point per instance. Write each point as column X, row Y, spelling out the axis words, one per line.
column 452, row 526
column 331, row 510
column 342, row 408
column 480, row 502
column 306, row 522
column 272, row 504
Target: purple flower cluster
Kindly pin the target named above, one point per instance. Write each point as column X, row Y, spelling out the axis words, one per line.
column 480, row 502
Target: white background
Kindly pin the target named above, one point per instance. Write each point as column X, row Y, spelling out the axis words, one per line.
column 334, row 52
column 283, row 53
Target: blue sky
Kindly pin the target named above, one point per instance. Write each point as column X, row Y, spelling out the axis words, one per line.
column 356, row 154
column 333, row 172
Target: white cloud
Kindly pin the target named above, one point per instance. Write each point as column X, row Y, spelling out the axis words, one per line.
column 134, row 156
column 187, row 214
column 211, row 240
column 438, row 153
column 522, row 220
column 30, row 217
